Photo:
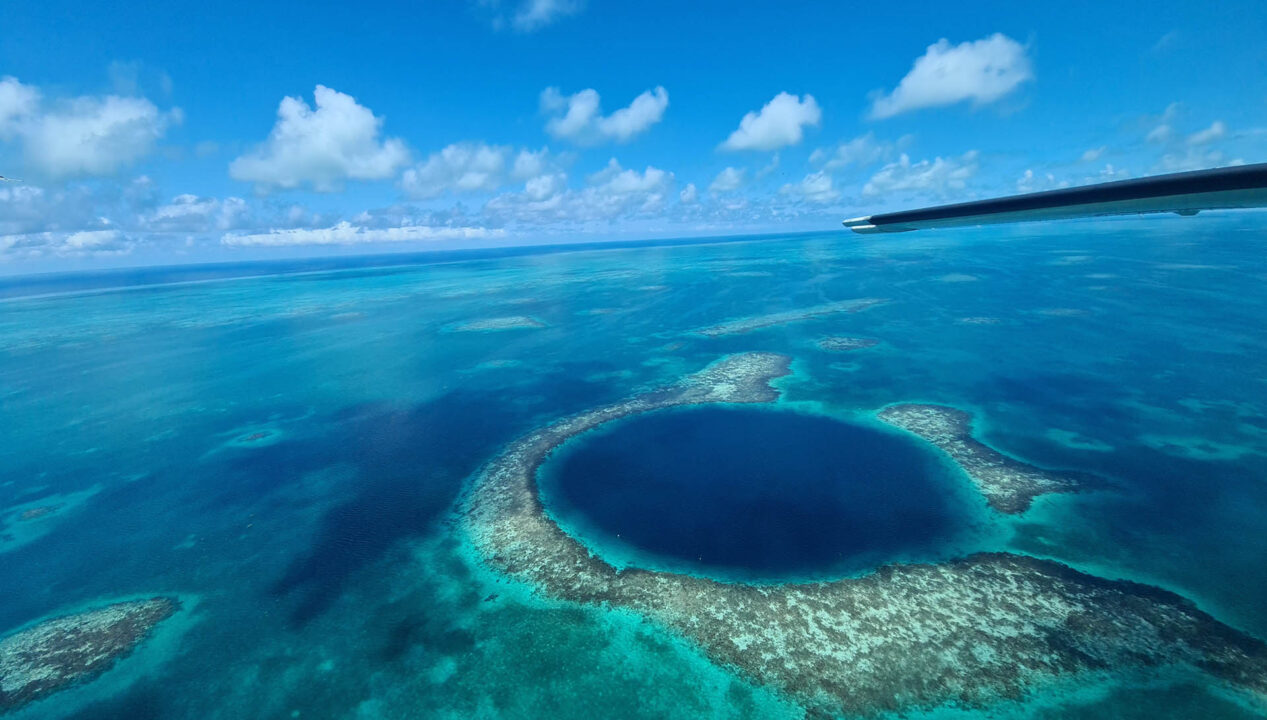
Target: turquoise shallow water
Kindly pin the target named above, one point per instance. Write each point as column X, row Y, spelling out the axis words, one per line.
column 286, row 451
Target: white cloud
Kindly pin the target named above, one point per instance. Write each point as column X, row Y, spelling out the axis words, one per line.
column 323, row 147
column 579, row 117
column 345, row 233
column 940, row 176
column 1111, row 173
column 1194, row 152
column 616, row 180
column 860, row 151
column 1030, row 182
column 94, row 136
column 610, row 194
column 16, row 101
column 545, row 187
column 80, row 243
column 1164, row 132
column 193, row 214
column 26, row 208
column 464, row 167
column 779, row 123
column 530, row 163
column 1093, row 154
column 728, row 180
column 93, row 240
column 474, row 167
column 1216, row 131
column 689, row 194
column 532, row 15
column 1160, row 134
column 981, row 71
column 1195, row 158
column 84, row 136
column 815, row 187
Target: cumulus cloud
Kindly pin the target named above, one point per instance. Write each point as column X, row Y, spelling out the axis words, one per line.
column 1197, row 151
column 463, row 167
column 1110, row 173
column 777, row 124
column 728, row 180
column 860, row 151
column 815, row 187
column 474, row 167
column 616, row 181
column 689, row 194
column 17, row 101
column 66, row 244
column 83, row 136
column 940, row 177
column 1196, row 158
column 981, row 71
column 337, row 141
column 70, row 221
column 530, row 15
column 1164, row 132
column 610, row 194
column 580, row 119
column 1093, row 154
column 1216, row 131
column 536, row 14
column 1031, row 182
column 193, row 214
column 1160, row 134
column 531, row 163
column 28, row 208
column 346, row 233
column 93, row 136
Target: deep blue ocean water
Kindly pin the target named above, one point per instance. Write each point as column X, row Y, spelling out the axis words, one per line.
column 742, row 492
column 284, row 451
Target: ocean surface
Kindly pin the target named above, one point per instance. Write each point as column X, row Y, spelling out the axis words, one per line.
column 286, row 448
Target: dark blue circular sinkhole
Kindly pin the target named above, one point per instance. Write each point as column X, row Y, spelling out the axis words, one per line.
column 754, row 493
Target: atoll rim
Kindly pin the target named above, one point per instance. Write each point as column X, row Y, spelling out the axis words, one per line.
column 971, row 632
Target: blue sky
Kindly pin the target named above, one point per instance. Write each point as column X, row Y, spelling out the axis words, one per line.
column 167, row 133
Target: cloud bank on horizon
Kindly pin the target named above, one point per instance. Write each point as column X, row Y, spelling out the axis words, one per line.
column 405, row 160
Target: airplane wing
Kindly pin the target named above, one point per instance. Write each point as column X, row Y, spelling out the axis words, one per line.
column 1185, row 193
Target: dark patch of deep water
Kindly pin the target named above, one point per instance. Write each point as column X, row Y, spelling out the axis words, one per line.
column 758, row 492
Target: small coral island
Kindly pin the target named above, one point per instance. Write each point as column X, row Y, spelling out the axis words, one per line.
column 63, row 651
column 512, row 322
column 846, row 344
column 970, row 632
column 37, row 512
column 1009, row 485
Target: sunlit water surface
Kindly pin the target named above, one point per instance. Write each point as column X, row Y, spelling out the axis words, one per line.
column 285, row 453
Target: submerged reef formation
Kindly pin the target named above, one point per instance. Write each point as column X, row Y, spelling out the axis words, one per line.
column 846, row 344
column 1009, row 485
column 60, row 652
column 37, row 512
column 512, row 322
column 758, row 322
column 31, row 520
column 969, row 632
